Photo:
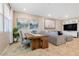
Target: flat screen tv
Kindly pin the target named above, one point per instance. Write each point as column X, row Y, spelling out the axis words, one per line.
column 70, row 27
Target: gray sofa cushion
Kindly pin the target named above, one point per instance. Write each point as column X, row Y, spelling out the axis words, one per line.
column 57, row 40
column 51, row 34
column 54, row 38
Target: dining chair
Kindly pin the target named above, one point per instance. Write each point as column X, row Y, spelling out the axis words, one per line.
column 24, row 41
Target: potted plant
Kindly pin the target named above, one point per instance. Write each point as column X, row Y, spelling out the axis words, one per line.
column 15, row 34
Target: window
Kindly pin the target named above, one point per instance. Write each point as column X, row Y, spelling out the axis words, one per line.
column 7, row 22
column 6, row 25
column 1, row 23
column 1, row 17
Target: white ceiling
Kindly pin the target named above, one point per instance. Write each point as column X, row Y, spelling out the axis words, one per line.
column 57, row 10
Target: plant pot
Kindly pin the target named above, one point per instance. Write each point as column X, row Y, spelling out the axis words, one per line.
column 15, row 39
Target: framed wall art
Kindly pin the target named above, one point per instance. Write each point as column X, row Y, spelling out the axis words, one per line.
column 49, row 24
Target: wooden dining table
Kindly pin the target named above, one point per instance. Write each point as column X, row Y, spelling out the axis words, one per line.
column 38, row 41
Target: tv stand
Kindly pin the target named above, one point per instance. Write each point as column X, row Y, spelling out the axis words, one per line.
column 71, row 33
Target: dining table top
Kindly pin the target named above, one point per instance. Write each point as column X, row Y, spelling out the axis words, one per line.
column 38, row 40
column 34, row 36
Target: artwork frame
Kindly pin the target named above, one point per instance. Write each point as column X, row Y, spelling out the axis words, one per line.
column 49, row 24
column 24, row 23
column 33, row 24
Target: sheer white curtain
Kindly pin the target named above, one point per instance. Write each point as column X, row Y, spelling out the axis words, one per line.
column 8, row 21
column 6, row 25
column 1, row 17
column 1, row 23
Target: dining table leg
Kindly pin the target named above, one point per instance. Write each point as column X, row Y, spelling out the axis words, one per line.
column 35, row 44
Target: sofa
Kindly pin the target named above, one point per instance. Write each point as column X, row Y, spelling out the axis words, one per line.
column 56, row 39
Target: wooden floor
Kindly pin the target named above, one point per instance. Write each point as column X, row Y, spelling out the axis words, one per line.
column 69, row 49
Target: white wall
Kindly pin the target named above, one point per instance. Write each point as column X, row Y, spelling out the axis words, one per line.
column 40, row 20
column 70, row 21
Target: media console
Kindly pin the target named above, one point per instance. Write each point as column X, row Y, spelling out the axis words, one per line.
column 71, row 33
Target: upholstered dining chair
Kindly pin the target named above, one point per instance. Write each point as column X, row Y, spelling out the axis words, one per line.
column 24, row 41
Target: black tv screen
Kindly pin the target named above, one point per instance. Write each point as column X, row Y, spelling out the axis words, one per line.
column 70, row 27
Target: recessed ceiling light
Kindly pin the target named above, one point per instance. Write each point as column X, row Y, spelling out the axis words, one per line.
column 24, row 9
column 67, row 16
column 49, row 14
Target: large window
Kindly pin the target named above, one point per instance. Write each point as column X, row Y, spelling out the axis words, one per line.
column 6, row 25
column 1, row 17
column 1, row 23
column 7, row 18
column 8, row 21
column 1, row 8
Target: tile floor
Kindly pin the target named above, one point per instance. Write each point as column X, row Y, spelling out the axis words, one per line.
column 69, row 49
